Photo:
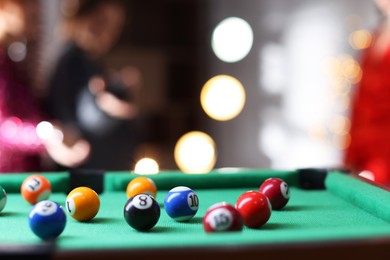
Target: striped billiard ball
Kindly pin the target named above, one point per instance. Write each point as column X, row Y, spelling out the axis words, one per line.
column 35, row 188
column 181, row 203
column 222, row 217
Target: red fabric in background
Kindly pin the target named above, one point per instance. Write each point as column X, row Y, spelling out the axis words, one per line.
column 370, row 119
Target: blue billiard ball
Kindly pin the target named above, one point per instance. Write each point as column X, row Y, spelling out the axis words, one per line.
column 47, row 219
column 181, row 203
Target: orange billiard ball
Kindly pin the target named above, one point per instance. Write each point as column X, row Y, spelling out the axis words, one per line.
column 35, row 188
column 141, row 185
column 82, row 204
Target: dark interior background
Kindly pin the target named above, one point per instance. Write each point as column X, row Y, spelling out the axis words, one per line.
column 169, row 41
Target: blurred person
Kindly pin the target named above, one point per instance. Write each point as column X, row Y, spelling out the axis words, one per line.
column 97, row 103
column 369, row 149
column 21, row 149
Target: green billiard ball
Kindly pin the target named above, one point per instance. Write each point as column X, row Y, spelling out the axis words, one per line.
column 3, row 198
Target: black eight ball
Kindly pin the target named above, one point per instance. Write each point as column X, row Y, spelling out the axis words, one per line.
column 142, row 212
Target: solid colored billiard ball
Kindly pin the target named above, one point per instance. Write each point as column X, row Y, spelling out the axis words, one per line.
column 181, row 203
column 82, row 203
column 254, row 208
column 3, row 198
column 142, row 212
column 35, row 188
column 277, row 192
column 47, row 219
column 222, row 217
column 141, row 185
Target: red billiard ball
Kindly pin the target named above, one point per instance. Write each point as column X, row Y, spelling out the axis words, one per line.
column 254, row 208
column 222, row 217
column 277, row 192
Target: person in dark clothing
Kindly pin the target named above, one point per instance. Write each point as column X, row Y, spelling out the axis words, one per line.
column 92, row 103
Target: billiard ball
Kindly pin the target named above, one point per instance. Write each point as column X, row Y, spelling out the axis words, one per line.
column 3, row 198
column 47, row 219
column 142, row 212
column 254, row 208
column 181, row 203
column 82, row 204
column 277, row 192
column 35, row 188
column 141, row 185
column 222, row 217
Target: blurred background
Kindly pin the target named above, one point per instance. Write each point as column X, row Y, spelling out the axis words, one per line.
column 288, row 68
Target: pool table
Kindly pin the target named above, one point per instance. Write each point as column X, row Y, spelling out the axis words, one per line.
column 330, row 214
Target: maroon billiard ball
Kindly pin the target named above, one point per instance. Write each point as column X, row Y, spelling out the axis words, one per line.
column 222, row 217
column 277, row 191
column 254, row 208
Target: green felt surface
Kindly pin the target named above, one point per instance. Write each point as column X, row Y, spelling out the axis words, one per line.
column 321, row 215
column 214, row 180
column 361, row 194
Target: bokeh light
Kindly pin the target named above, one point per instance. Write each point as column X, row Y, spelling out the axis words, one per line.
column 9, row 128
column 195, row 152
column 45, row 130
column 340, row 125
column 146, row 166
column 351, row 69
column 57, row 137
column 222, row 97
column 232, row 39
column 17, row 51
column 360, row 39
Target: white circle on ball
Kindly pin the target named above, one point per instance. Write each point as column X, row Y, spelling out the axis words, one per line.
column 193, row 200
column 33, row 184
column 141, row 202
column 70, row 204
column 220, row 219
column 44, row 208
column 285, row 190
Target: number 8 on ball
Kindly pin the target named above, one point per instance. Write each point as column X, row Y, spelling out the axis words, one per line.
column 142, row 212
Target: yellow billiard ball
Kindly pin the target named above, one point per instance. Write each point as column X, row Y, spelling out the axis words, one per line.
column 141, row 185
column 82, row 203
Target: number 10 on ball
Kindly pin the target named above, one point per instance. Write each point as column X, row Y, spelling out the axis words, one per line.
column 181, row 203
